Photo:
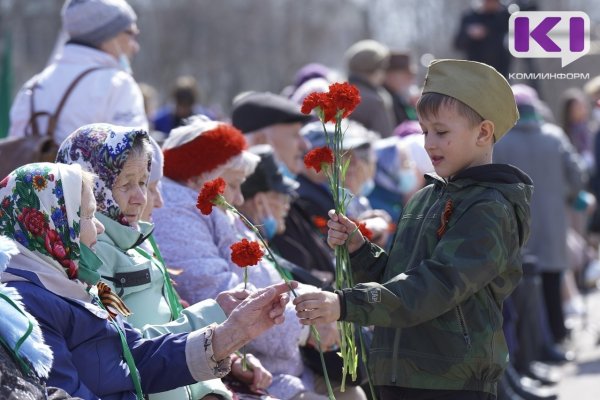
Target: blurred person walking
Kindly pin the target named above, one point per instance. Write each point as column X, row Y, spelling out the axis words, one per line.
column 482, row 35
column 367, row 61
column 544, row 152
column 96, row 59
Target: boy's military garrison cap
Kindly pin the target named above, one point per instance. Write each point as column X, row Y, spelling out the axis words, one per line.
column 477, row 85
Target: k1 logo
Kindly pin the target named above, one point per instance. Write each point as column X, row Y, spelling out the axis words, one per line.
column 549, row 34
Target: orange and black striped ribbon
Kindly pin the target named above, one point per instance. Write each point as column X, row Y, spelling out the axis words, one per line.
column 448, row 208
column 111, row 301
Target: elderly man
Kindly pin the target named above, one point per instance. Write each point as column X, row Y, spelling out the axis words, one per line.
column 267, row 118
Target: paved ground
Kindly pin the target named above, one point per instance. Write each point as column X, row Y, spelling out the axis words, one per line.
column 581, row 380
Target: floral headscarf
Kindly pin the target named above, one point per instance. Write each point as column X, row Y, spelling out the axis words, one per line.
column 102, row 149
column 35, row 212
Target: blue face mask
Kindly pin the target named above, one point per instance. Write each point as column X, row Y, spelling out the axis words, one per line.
column 407, row 181
column 125, row 64
column 286, row 172
column 269, row 225
column 367, row 188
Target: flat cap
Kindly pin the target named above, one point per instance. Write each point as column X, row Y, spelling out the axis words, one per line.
column 367, row 56
column 267, row 176
column 477, row 85
column 257, row 110
column 401, row 61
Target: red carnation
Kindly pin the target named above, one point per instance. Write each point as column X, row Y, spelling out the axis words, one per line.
column 311, row 102
column 246, row 253
column 317, row 158
column 34, row 221
column 4, row 182
column 210, row 195
column 322, row 102
column 344, row 96
column 341, row 96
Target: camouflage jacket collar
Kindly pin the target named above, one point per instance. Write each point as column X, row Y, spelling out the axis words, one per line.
column 482, row 174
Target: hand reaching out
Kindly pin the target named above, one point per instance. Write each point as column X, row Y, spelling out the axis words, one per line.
column 258, row 312
column 230, row 299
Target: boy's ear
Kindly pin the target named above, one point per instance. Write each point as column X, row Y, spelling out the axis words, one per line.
column 486, row 132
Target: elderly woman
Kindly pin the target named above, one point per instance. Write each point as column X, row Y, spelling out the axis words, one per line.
column 256, row 377
column 24, row 357
column 48, row 209
column 121, row 157
column 199, row 245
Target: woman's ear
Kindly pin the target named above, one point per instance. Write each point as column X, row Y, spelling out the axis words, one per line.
column 486, row 132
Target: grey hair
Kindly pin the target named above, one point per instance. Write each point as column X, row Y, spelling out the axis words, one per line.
column 141, row 148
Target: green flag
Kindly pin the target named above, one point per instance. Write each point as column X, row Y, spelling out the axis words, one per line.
column 5, row 85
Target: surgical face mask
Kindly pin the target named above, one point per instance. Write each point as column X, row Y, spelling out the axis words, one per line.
column 407, row 181
column 89, row 263
column 367, row 187
column 269, row 225
column 125, row 64
column 286, row 172
column 123, row 60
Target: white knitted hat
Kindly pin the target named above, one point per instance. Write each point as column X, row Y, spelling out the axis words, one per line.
column 95, row 21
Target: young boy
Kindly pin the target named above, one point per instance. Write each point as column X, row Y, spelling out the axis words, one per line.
column 436, row 298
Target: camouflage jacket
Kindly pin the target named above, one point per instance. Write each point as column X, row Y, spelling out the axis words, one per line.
column 438, row 309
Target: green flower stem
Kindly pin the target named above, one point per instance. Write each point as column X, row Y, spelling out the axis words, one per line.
column 313, row 330
column 336, row 175
column 244, row 362
column 363, row 353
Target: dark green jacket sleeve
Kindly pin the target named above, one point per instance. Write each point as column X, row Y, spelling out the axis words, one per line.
column 368, row 263
column 472, row 253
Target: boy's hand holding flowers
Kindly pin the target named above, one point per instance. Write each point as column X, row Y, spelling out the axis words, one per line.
column 343, row 230
column 318, row 308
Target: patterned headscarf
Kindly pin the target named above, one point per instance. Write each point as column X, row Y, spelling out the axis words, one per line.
column 35, row 212
column 102, row 149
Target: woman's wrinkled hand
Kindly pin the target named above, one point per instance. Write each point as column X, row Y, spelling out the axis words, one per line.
column 228, row 300
column 258, row 312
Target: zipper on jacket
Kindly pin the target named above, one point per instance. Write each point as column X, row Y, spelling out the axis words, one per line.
column 395, row 353
column 420, row 235
column 412, row 260
column 463, row 327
